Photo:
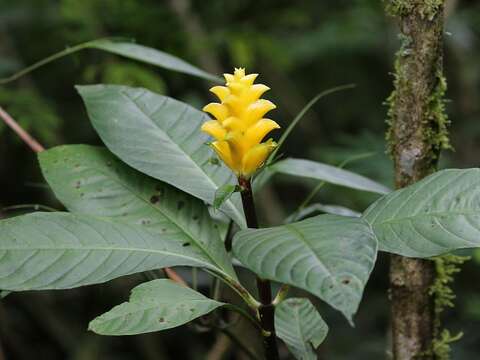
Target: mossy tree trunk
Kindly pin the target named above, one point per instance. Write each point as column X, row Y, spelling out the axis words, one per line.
column 416, row 136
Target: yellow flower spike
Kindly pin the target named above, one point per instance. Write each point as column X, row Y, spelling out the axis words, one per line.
column 219, row 111
column 229, row 78
column 236, row 88
column 248, row 79
column 240, row 125
column 239, row 73
column 256, row 156
column 259, row 130
column 234, row 124
column 256, row 91
column 222, row 92
column 223, row 150
column 235, row 104
column 257, row 110
column 238, row 145
column 215, row 129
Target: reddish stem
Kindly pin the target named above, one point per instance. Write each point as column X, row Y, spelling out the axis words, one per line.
column 26, row 137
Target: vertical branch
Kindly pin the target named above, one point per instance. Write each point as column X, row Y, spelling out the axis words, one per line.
column 266, row 309
column 417, row 134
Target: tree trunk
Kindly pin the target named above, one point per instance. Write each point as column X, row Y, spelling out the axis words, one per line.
column 417, row 134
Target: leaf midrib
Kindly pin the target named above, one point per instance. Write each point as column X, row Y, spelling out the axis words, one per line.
column 295, row 231
column 157, row 209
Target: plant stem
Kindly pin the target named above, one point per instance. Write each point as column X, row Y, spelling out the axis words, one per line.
column 173, row 275
column 282, row 294
column 49, row 59
column 266, row 310
column 417, row 134
column 26, row 137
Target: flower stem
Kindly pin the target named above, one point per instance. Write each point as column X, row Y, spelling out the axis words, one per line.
column 266, row 310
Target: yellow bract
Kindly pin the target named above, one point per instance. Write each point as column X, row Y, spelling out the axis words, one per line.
column 239, row 126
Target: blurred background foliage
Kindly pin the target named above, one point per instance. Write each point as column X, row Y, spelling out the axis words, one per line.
column 300, row 48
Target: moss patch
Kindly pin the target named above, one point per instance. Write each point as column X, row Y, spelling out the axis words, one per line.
column 446, row 267
column 426, row 8
column 436, row 118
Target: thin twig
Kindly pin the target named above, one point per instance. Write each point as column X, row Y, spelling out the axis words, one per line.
column 26, row 137
column 173, row 275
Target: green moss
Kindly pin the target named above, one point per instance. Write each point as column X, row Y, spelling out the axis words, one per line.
column 446, row 267
column 437, row 117
column 398, row 82
column 441, row 345
column 426, row 8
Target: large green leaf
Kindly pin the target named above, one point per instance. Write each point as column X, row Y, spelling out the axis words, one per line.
column 63, row 250
column 299, row 324
column 150, row 56
column 330, row 256
column 153, row 306
column 161, row 137
column 436, row 215
column 90, row 180
column 330, row 174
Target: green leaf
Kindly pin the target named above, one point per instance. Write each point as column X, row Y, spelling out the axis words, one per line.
column 299, row 324
column 330, row 174
column 151, row 56
column 154, row 306
column 438, row 214
column 62, row 250
column 128, row 49
column 327, row 255
column 325, row 208
column 223, row 193
column 161, row 137
column 91, row 180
